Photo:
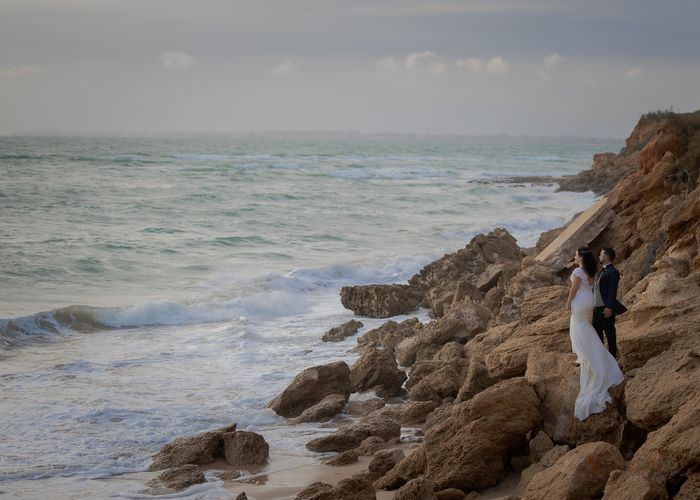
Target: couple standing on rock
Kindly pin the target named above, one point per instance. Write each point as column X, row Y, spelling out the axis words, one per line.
column 593, row 295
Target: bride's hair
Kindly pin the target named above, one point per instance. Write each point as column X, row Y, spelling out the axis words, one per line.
column 588, row 262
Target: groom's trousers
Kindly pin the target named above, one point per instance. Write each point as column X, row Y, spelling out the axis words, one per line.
column 605, row 326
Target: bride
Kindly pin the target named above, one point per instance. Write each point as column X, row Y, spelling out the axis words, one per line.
column 599, row 370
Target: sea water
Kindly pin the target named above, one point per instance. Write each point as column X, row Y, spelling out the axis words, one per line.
column 152, row 288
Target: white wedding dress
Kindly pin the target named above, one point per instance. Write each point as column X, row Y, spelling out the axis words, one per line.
column 599, row 370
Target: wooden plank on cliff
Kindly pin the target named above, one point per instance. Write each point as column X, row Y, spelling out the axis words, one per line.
column 584, row 229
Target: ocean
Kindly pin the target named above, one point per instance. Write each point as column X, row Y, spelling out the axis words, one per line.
column 157, row 287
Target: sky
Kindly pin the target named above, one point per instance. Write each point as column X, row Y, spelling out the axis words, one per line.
column 534, row 67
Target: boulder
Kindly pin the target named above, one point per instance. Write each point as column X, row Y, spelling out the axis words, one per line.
column 390, row 333
column 328, row 407
column 669, row 452
column 344, row 458
column 380, row 301
column 690, row 490
column 242, row 496
column 450, row 494
column 352, row 435
column 556, row 381
column 353, row 488
column 547, row 460
column 443, row 383
column 370, row 446
column 362, row 407
column 242, row 448
column 410, row 412
column 578, row 475
column 624, row 485
column 383, row 461
column 201, row 449
column 468, row 449
column 341, row 332
column 311, row 386
column 176, row 479
column 657, row 148
column 377, row 370
column 409, row 468
column 539, row 445
column 661, row 386
column 416, row 489
column 312, row 490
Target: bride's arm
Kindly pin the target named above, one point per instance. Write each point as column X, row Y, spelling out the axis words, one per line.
column 575, row 283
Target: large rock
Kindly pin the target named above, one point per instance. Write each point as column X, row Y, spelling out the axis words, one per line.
column 661, row 386
column 547, row 460
column 340, row 332
column 556, row 382
column 623, row 485
column 441, row 384
column 669, row 452
column 383, row 461
column 690, row 490
column 469, row 448
column 409, row 468
column 243, row 448
column 353, row 488
column 389, row 334
column 201, row 449
column 416, row 489
column 657, row 148
column 380, row 301
column 313, row 489
column 352, row 435
column 311, row 386
column 327, row 408
column 176, row 479
column 409, row 413
column 377, row 370
column 581, row 474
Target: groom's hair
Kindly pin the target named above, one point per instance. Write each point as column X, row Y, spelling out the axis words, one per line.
column 610, row 253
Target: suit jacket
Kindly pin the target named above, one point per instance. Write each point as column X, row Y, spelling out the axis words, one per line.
column 607, row 284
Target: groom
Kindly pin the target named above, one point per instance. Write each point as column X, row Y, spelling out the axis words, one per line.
column 606, row 306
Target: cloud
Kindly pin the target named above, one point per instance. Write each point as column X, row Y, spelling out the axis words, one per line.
column 389, row 64
column 552, row 60
column 285, row 68
column 176, row 61
column 496, row 65
column 415, row 61
column 20, row 71
column 633, row 73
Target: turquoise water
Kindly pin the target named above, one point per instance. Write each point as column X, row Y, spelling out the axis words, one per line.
column 154, row 287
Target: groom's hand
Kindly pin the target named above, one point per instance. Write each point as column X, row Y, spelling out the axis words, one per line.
column 607, row 312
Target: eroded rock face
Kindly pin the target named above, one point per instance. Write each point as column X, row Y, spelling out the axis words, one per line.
column 313, row 489
column 410, row 412
column 176, row 479
column 243, row 448
column 352, row 435
column 657, row 148
column 623, row 485
column 468, row 449
column 369, row 446
column 578, row 475
column 377, row 370
column 669, row 451
column 690, row 490
column 201, row 449
column 409, row 468
column 311, row 386
column 341, row 332
column 345, row 458
column 354, row 488
column 383, row 461
column 547, row 460
column 389, row 334
column 328, row 407
column 416, row 489
column 556, row 382
column 380, row 301
column 539, row 445
column 661, row 386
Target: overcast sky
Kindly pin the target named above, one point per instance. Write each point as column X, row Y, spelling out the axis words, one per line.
column 469, row 67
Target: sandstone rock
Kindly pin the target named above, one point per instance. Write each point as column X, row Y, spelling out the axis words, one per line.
column 518, row 463
column 311, row 386
column 328, row 407
column 450, row 494
column 354, row 488
column 377, row 370
column 243, row 448
column 690, row 490
column 416, row 489
column 176, row 479
column 539, row 445
column 655, row 150
column 390, row 333
column 344, row 458
column 352, row 435
column 547, row 460
column 370, row 446
column 201, row 449
column 672, row 449
column 445, row 382
column 580, row 474
column 556, row 381
column 540, row 302
column 623, row 485
column 661, row 386
column 231, row 475
column 312, row 490
column 410, row 412
column 363, row 407
column 383, row 461
column 242, row 496
column 409, row 468
column 380, row 301
column 468, row 449
column 340, row 332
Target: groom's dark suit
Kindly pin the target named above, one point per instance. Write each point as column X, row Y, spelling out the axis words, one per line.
column 607, row 282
